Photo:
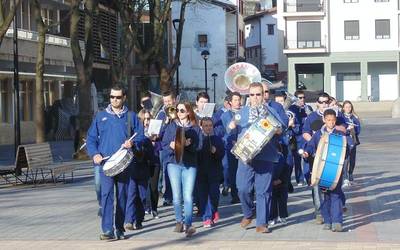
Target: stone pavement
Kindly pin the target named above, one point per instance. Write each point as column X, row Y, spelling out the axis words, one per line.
column 64, row 215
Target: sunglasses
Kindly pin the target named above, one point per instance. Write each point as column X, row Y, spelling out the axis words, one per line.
column 321, row 102
column 301, row 97
column 119, row 97
column 266, row 91
column 258, row 94
column 182, row 111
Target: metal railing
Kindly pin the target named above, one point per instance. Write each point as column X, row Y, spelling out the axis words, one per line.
column 292, row 6
column 33, row 36
column 304, row 44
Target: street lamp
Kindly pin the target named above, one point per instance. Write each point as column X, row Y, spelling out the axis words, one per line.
column 175, row 23
column 17, row 127
column 205, row 55
column 214, row 76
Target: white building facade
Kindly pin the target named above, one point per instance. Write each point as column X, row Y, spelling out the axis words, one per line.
column 348, row 48
column 214, row 27
column 264, row 37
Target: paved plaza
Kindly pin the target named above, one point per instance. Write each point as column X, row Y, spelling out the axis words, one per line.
column 64, row 216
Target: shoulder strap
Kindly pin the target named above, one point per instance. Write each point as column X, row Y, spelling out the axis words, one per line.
column 129, row 124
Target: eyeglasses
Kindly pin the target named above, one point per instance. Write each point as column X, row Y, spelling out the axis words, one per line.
column 258, row 94
column 119, row 97
column 182, row 111
column 321, row 102
column 301, row 97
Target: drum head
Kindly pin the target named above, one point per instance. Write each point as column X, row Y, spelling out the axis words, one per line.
column 115, row 158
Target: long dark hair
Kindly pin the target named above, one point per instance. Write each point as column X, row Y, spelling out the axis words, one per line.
column 189, row 110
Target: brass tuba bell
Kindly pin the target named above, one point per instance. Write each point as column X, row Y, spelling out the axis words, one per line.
column 239, row 76
column 157, row 102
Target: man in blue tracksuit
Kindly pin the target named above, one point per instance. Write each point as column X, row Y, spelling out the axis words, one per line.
column 300, row 110
column 107, row 134
column 230, row 138
column 256, row 175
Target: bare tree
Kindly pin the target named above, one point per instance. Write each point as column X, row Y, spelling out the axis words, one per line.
column 39, row 98
column 132, row 14
column 6, row 19
column 83, row 64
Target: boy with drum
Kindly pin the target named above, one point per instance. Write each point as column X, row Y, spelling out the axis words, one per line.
column 331, row 206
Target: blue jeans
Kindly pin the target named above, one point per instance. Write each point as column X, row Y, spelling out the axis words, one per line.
column 182, row 180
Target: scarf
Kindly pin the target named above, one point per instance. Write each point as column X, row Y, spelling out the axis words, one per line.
column 111, row 111
column 257, row 112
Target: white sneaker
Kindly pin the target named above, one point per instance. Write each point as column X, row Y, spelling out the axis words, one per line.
column 283, row 221
column 346, row 183
column 272, row 222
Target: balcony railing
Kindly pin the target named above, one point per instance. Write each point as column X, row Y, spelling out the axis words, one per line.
column 292, row 6
column 34, row 36
column 305, row 44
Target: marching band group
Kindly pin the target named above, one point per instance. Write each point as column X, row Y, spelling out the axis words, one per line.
column 193, row 155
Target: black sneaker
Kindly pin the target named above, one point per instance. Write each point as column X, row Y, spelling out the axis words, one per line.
column 351, row 177
column 290, row 188
column 225, row 191
column 107, row 236
column 138, row 226
column 155, row 215
column 120, row 235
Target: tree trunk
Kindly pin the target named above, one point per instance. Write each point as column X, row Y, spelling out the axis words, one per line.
column 39, row 98
column 6, row 21
column 83, row 67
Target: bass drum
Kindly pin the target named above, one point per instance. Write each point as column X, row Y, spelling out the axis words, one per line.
column 328, row 162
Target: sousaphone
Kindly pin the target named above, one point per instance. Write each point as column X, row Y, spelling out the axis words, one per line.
column 239, row 76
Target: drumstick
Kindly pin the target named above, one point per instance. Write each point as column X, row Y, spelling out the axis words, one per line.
column 133, row 136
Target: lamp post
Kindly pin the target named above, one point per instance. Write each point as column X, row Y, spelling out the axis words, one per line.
column 214, row 76
column 205, row 55
column 17, row 128
column 175, row 23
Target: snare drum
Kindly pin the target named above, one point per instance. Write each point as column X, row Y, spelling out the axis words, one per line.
column 118, row 162
column 328, row 162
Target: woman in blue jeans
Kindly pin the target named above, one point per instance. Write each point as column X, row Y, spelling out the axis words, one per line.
column 181, row 142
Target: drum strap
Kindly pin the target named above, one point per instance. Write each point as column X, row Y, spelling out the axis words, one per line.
column 129, row 124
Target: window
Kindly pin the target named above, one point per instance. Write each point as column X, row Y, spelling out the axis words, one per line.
column 351, row 30
column 51, row 17
column 202, row 40
column 382, row 29
column 309, row 35
column 271, row 30
column 26, row 100
column 5, row 94
column 256, row 52
column 381, row 1
column 350, row 1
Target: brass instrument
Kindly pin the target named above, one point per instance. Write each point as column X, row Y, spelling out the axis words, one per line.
column 171, row 113
column 157, row 102
column 239, row 76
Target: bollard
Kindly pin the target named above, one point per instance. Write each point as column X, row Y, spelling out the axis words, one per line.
column 396, row 108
